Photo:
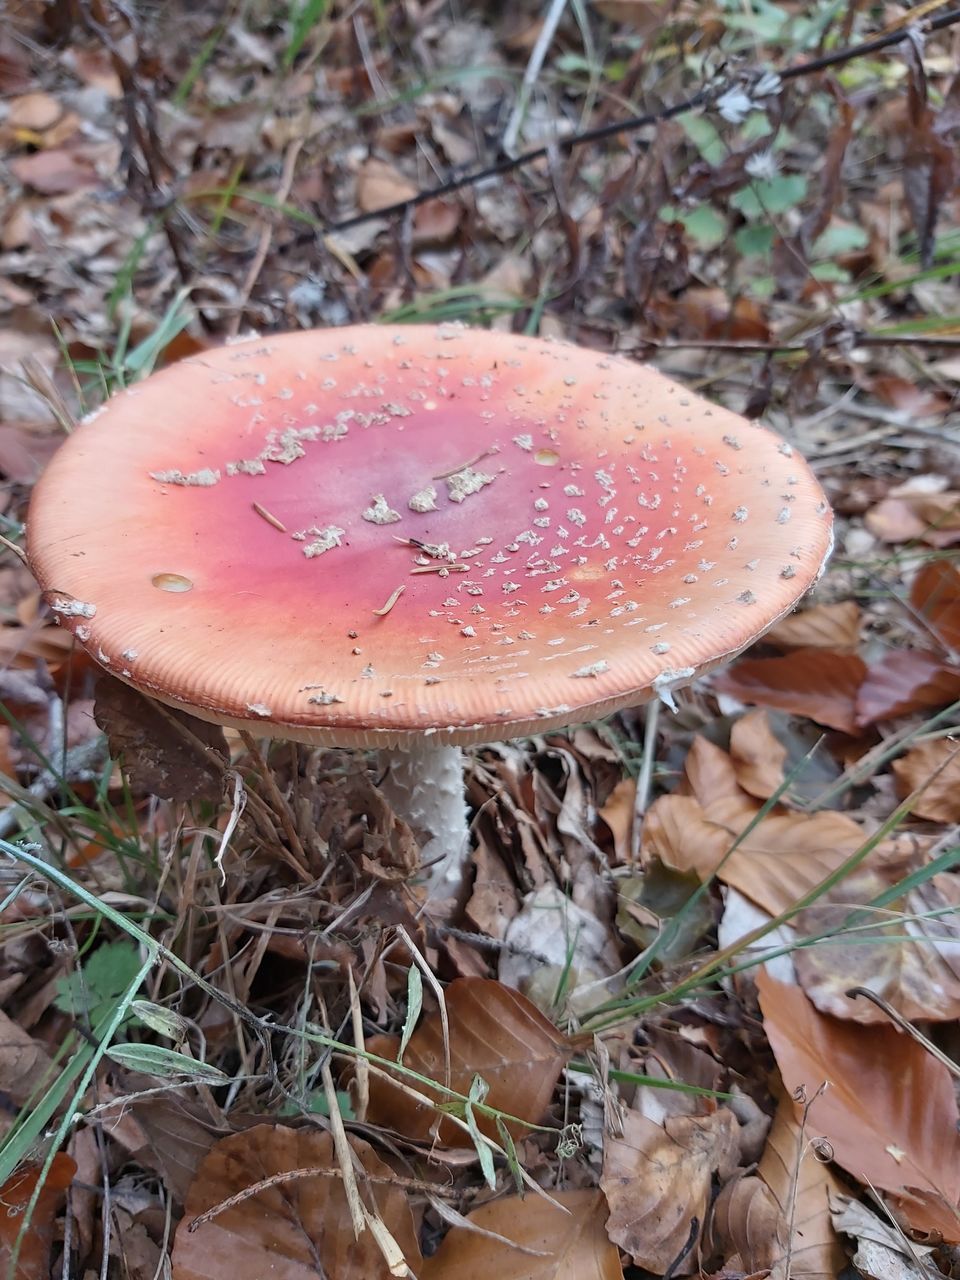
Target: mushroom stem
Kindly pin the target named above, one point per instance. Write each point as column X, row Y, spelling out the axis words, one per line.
column 424, row 783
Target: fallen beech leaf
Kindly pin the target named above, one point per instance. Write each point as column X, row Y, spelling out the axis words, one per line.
column 24, row 1063
column 822, row 626
column 748, row 1228
column 940, row 800
column 33, row 1261
column 657, row 1180
column 889, row 1112
column 156, row 757
column 935, row 594
column 573, row 1245
column 757, row 755
column 379, row 185
column 933, row 518
column 59, row 171
column 817, row 683
column 802, row 1186
column 906, row 395
column 299, row 1228
column 779, row 861
column 435, row 222
column 914, row 975
column 904, row 681
column 709, row 775
column 494, row 1032
column 618, row 814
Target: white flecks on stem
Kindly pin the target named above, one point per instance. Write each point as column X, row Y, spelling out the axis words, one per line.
column 424, row 783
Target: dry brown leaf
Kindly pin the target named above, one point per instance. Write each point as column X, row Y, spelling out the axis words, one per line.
column 817, row 683
column 379, row 185
column 657, row 1180
column 709, row 775
column 33, row 1262
column 889, row 1112
column 748, row 1228
column 24, row 1063
column 757, row 755
column 802, row 1186
column 940, row 800
column 299, row 1228
column 822, row 626
column 779, row 861
column 572, row 1245
column 155, row 755
column 494, row 1032
column 59, row 171
column 618, row 814
column 933, row 518
column 935, row 594
column 915, row 975
column 904, row 681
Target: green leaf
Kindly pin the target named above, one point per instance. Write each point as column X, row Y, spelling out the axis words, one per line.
column 766, row 196
column 840, row 238
column 414, row 1007
column 100, row 983
column 704, row 224
column 704, row 136
column 755, row 241
column 163, row 1021
column 157, row 1061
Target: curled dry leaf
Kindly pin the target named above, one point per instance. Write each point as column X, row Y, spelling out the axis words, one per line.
column 547, row 1243
column 936, row 764
column 657, row 1180
column 748, row 1228
column 163, row 751
column 494, row 1032
column 298, row 1228
column 802, row 1186
column 24, row 1063
column 916, row 975
column 822, row 626
column 33, row 1262
column 905, row 681
column 889, row 1112
column 818, row 683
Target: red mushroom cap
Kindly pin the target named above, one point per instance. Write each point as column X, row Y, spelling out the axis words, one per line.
column 363, row 535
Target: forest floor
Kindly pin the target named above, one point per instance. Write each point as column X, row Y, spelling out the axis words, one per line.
column 699, row 1011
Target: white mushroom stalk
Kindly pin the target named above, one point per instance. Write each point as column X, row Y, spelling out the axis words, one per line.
column 410, row 539
column 424, row 783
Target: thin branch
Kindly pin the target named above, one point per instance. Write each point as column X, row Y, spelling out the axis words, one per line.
column 564, row 146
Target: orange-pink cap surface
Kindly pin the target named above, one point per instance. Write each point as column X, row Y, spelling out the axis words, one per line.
column 362, row 535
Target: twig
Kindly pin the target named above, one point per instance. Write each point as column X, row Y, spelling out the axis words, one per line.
column 899, row 1020
column 633, row 123
column 266, row 238
column 544, row 40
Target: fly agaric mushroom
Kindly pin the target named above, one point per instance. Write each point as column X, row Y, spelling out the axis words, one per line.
column 415, row 538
